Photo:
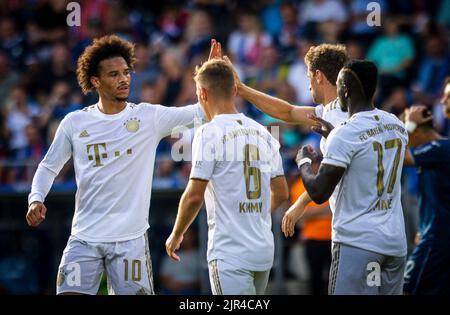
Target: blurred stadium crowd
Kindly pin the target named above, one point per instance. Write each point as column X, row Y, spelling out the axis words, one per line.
column 266, row 40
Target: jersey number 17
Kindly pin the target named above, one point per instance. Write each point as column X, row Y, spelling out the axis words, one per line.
column 378, row 147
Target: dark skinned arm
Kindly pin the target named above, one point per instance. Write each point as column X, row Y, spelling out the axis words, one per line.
column 319, row 186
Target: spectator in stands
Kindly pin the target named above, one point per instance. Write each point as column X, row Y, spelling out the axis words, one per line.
column 58, row 68
column 165, row 175
column 18, row 117
column 245, row 43
column 8, row 78
column 144, row 71
column 314, row 12
column 297, row 76
column 393, row 53
column 13, row 43
column 433, row 69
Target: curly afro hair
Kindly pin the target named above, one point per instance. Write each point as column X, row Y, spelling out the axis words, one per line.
column 102, row 48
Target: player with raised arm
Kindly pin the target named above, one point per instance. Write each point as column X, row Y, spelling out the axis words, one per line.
column 324, row 63
column 365, row 155
column 113, row 145
column 237, row 169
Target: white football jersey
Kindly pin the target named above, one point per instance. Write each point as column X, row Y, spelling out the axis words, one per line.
column 113, row 156
column 238, row 157
column 332, row 113
column 368, row 215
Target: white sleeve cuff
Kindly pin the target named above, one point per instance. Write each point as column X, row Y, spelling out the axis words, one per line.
column 410, row 126
column 32, row 197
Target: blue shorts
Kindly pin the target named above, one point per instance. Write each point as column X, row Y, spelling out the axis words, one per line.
column 428, row 269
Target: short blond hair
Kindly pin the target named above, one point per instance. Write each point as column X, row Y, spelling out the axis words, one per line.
column 216, row 76
column 327, row 58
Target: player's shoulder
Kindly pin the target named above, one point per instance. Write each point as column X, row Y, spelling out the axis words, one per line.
column 87, row 110
column 333, row 113
column 391, row 117
column 261, row 130
column 333, row 106
column 342, row 131
column 249, row 122
column 147, row 107
column 208, row 131
column 79, row 115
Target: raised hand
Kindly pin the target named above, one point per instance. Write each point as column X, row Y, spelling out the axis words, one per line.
column 418, row 114
column 216, row 50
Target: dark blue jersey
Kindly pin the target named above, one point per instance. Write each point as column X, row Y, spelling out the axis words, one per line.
column 433, row 167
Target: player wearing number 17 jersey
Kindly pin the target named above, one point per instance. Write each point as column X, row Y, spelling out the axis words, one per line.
column 365, row 155
column 237, row 169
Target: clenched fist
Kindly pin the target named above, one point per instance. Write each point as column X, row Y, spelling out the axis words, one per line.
column 36, row 213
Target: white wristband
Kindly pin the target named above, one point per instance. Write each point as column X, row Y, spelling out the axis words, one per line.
column 303, row 161
column 410, row 126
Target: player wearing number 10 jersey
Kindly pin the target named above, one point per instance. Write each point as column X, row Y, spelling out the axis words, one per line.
column 365, row 155
column 113, row 145
column 237, row 168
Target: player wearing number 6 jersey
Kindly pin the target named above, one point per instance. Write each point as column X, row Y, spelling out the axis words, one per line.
column 237, row 169
column 366, row 156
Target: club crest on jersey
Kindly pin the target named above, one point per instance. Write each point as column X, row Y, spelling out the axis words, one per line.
column 132, row 124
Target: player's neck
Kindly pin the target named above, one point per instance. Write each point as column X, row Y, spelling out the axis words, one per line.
column 111, row 107
column 329, row 94
column 222, row 108
column 359, row 106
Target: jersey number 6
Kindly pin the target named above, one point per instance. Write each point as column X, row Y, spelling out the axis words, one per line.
column 251, row 153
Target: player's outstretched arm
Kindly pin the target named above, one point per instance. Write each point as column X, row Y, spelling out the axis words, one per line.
column 273, row 106
column 319, row 186
column 279, row 192
column 190, row 204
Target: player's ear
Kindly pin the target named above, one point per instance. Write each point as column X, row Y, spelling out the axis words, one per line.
column 345, row 90
column 95, row 82
column 203, row 94
column 318, row 76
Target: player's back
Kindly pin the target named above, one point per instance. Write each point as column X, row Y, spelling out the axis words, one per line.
column 368, row 213
column 237, row 198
